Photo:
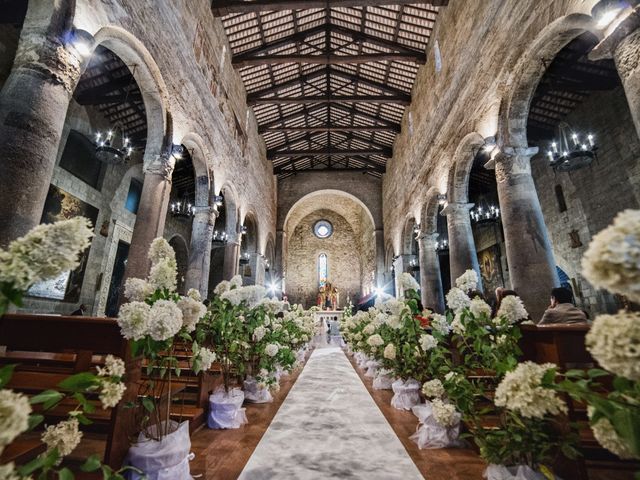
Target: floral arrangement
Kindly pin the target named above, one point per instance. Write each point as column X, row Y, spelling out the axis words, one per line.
column 155, row 320
column 43, row 253
column 61, row 439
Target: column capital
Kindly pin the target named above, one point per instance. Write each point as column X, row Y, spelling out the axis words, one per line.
column 162, row 165
column 457, row 208
column 513, row 161
column 428, row 237
column 608, row 46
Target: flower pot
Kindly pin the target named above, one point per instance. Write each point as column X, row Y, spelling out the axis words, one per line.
column 406, row 394
column 254, row 393
column 167, row 459
column 372, row 368
column 516, row 472
column 225, row 409
column 429, row 433
column 383, row 380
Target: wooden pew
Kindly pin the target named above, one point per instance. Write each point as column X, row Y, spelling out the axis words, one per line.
column 49, row 348
column 564, row 345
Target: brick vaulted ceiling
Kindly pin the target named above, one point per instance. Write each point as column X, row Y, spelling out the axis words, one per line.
column 328, row 80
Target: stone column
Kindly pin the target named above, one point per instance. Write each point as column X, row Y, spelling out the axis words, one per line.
column 256, row 264
column 152, row 213
column 231, row 256
column 398, row 268
column 380, row 280
column 203, row 225
column 532, row 269
column 462, row 247
column 430, row 279
column 33, row 108
column 623, row 44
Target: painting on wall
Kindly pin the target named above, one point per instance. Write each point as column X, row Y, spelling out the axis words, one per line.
column 490, row 269
column 61, row 205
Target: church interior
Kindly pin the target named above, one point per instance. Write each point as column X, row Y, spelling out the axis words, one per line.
column 309, row 239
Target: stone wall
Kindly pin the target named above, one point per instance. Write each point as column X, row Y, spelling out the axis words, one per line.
column 595, row 194
column 344, row 259
column 479, row 45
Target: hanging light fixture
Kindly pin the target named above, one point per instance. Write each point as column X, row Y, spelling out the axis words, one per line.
column 485, row 214
column 220, row 238
column 114, row 147
column 182, row 209
column 244, row 258
column 571, row 151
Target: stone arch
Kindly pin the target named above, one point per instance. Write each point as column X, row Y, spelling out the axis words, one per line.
column 458, row 181
column 409, row 243
column 251, row 238
column 179, row 245
column 149, row 79
column 429, row 213
column 199, row 155
column 524, row 78
column 231, row 209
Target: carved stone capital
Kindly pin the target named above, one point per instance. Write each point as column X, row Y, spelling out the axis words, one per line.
column 162, row 165
column 428, row 238
column 513, row 161
column 453, row 209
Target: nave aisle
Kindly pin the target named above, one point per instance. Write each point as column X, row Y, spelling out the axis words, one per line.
column 329, row 427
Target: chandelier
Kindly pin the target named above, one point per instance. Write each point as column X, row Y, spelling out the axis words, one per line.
column 244, row 258
column 414, row 264
column 220, row 238
column 108, row 152
column 267, row 265
column 442, row 246
column 485, row 214
column 571, row 151
column 182, row 209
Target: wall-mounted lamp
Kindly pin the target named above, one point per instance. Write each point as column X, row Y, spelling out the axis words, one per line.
column 606, row 11
column 81, row 41
column 178, row 151
column 217, row 200
column 243, row 230
column 442, row 198
column 416, row 228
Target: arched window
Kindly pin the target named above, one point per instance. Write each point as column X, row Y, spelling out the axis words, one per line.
column 323, row 269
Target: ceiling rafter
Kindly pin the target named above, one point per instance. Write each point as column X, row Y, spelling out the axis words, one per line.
column 221, row 8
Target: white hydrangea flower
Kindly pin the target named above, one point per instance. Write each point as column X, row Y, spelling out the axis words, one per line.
column 428, row 342
column 65, row 436
column 520, row 391
column 271, row 349
column 614, row 341
column 444, row 413
column 390, row 352
column 14, row 416
column 452, row 377
column 512, row 310
column 236, row 282
column 111, row 393
column 407, row 282
column 380, row 318
column 8, row 472
column 375, row 340
column 160, row 250
column 192, row 311
column 194, row 294
column 137, row 289
column 45, row 252
column 164, row 275
column 479, row 307
column 467, row 281
column 394, row 321
column 369, row 329
column 166, row 320
column 457, row 299
column 357, row 337
column 134, row 319
column 433, row 389
column 259, row 333
column 222, row 287
column 206, row 357
column 113, row 367
column 440, row 324
column 606, row 435
column 252, row 295
column 457, row 326
column 613, row 258
column 272, row 305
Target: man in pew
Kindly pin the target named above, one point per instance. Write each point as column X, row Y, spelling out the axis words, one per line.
column 562, row 309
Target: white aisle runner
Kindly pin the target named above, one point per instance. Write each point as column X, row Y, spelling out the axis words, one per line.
column 329, row 427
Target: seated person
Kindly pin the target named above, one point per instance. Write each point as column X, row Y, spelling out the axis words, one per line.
column 562, row 309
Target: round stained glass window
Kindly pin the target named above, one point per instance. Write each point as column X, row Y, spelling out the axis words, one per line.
column 323, row 229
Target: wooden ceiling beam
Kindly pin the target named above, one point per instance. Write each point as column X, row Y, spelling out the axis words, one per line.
column 221, row 8
column 384, row 152
column 381, row 42
column 294, row 115
column 288, row 84
column 108, row 99
column 332, row 128
column 330, row 99
column 328, row 59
